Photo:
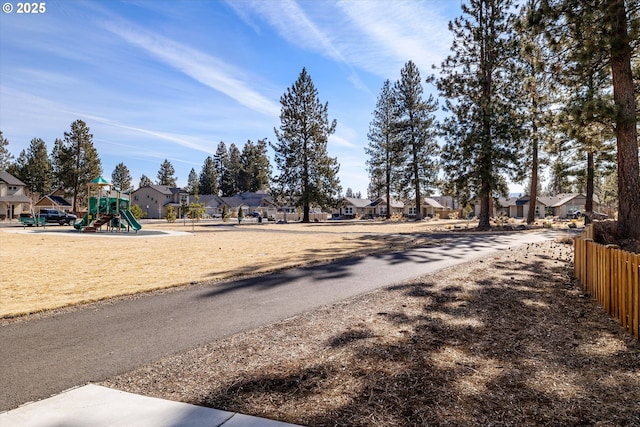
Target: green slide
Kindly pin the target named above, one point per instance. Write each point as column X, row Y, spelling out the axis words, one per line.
column 131, row 220
column 79, row 224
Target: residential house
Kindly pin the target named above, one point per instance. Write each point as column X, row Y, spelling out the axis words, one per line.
column 53, row 201
column 259, row 202
column 428, row 208
column 447, row 202
column 379, row 206
column 13, row 200
column 353, row 207
column 155, row 199
column 212, row 204
column 561, row 205
column 565, row 205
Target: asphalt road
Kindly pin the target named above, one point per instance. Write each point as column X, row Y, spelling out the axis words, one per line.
column 42, row 357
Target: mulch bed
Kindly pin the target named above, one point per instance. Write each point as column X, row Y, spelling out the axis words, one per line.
column 511, row 340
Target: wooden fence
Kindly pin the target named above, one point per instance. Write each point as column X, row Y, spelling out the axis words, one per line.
column 611, row 276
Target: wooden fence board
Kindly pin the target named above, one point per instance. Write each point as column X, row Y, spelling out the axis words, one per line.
column 612, row 277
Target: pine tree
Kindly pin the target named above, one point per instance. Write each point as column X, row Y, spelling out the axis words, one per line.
column 233, row 170
column 256, row 170
column 76, row 162
column 601, row 37
column 384, row 150
column 626, row 121
column 38, row 168
column 483, row 134
column 221, row 159
column 192, row 182
column 33, row 167
column 415, row 127
column 304, row 166
column 165, row 174
column 5, row 156
column 121, row 178
column 145, row 181
column 537, row 65
column 208, row 180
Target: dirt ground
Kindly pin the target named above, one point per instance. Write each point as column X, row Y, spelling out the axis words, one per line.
column 55, row 267
column 510, row 340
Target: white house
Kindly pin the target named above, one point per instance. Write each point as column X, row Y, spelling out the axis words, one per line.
column 13, row 200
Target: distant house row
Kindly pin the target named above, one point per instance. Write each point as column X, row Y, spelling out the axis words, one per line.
column 562, row 206
column 156, row 199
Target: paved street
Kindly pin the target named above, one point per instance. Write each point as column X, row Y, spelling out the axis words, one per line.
column 45, row 356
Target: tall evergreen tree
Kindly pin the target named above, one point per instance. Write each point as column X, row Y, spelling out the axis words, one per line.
column 256, row 170
column 76, row 162
column 5, row 156
column 560, row 164
column 385, row 152
column 145, row 181
column 37, row 169
column 416, row 130
column 538, row 92
column 121, row 178
column 193, row 182
column 221, row 160
column 304, row 166
column 233, row 170
column 608, row 43
column 208, row 183
column 483, row 134
column 166, row 174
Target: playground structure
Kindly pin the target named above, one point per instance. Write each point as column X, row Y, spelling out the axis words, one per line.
column 108, row 208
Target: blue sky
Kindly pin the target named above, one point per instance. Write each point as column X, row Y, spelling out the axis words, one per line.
column 171, row 79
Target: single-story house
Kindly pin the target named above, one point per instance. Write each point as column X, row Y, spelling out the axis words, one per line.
column 13, row 200
column 428, row 208
column 353, row 207
column 564, row 205
column 561, row 205
column 251, row 202
column 379, row 206
column 53, row 201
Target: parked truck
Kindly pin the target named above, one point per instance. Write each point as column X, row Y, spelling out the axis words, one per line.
column 58, row 216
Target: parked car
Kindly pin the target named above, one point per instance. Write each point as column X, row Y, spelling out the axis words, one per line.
column 55, row 215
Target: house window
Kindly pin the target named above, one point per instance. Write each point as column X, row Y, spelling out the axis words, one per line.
column 383, row 210
column 348, row 210
column 412, row 211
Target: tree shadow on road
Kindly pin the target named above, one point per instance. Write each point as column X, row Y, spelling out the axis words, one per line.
column 509, row 342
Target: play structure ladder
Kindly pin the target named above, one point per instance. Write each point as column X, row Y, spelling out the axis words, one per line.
column 99, row 222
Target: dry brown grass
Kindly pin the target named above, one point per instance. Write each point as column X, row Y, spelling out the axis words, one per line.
column 56, row 267
column 509, row 341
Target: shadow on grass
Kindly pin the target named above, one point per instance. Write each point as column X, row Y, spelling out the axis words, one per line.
column 524, row 347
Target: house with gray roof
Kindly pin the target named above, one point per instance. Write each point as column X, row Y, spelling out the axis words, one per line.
column 13, row 199
column 53, row 201
column 155, row 199
column 252, row 202
column 562, row 205
column 353, row 207
column 379, row 206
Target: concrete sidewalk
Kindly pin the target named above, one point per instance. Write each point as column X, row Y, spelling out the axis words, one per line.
column 97, row 406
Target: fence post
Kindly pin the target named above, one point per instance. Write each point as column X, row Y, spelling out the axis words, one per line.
column 612, row 282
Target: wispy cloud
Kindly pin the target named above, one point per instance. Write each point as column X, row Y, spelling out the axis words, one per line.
column 385, row 35
column 184, row 141
column 201, row 67
column 298, row 28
